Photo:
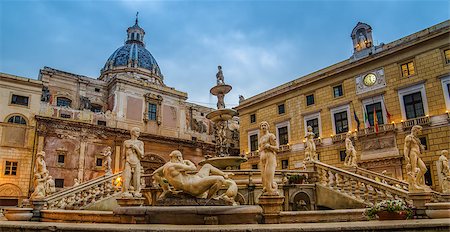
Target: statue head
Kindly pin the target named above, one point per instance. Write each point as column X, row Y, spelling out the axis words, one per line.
column 444, row 153
column 108, row 148
column 264, row 126
column 415, row 130
column 349, row 134
column 309, row 128
column 219, row 67
column 135, row 131
column 41, row 154
column 176, row 156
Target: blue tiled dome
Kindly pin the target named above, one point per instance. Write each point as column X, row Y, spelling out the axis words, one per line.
column 136, row 55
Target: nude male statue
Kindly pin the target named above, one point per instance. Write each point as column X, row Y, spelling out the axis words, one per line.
column 134, row 151
column 203, row 184
column 412, row 150
column 350, row 158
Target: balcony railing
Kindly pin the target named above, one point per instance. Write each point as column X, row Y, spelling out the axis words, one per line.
column 338, row 137
column 422, row 121
column 252, row 154
column 284, row 148
column 371, row 130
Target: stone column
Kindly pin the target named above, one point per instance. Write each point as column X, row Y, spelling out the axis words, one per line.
column 117, row 159
column 81, row 161
column 272, row 206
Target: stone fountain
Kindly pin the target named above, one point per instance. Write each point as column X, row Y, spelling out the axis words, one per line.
column 220, row 117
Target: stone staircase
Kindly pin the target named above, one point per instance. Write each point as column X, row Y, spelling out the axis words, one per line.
column 86, row 194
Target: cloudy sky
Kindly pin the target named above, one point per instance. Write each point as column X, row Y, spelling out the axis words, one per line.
column 260, row 44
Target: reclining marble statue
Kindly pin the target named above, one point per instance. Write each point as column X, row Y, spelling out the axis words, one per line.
column 44, row 184
column 415, row 167
column 174, row 178
column 134, row 152
column 267, row 152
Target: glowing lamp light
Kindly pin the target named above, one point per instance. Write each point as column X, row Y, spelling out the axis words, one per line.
column 427, row 115
column 392, row 122
column 401, row 120
column 356, row 130
column 331, row 135
column 303, row 140
column 446, row 111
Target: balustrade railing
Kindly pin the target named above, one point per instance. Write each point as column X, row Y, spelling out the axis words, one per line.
column 382, row 178
column 284, row 148
column 417, row 121
column 86, row 194
column 356, row 186
column 372, row 130
column 338, row 137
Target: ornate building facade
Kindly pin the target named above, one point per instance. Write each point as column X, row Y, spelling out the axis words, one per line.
column 77, row 117
column 388, row 88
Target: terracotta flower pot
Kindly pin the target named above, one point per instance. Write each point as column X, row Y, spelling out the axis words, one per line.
column 385, row 215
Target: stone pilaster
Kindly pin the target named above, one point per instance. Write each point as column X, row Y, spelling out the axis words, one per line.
column 81, row 161
column 272, row 206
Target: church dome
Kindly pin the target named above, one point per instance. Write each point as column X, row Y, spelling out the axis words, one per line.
column 133, row 54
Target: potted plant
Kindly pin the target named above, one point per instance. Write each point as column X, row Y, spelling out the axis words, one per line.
column 390, row 210
column 296, row 179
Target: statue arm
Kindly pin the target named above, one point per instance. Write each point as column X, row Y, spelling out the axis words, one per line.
column 272, row 145
column 140, row 149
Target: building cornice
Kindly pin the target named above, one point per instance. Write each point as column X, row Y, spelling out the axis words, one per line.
column 20, row 80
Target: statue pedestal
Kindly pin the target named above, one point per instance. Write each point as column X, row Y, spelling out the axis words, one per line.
column 126, row 202
column 419, row 200
column 272, row 205
column 37, row 205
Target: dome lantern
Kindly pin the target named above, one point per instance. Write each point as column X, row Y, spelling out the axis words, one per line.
column 135, row 34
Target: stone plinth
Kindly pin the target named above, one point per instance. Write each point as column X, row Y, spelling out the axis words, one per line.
column 37, row 205
column 125, row 202
column 190, row 215
column 188, row 200
column 438, row 210
column 419, row 200
column 271, row 205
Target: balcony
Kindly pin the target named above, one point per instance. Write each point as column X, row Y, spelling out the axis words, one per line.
column 338, row 137
column 252, row 154
column 371, row 130
column 421, row 121
column 284, row 148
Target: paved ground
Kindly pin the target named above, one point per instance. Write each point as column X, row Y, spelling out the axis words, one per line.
column 408, row 225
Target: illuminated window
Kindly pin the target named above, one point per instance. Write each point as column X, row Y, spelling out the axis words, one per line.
column 10, row 168
column 407, row 69
column 17, row 119
column 19, row 100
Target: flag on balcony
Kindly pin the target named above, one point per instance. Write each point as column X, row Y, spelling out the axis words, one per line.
column 366, row 120
column 356, row 117
column 388, row 115
column 375, row 120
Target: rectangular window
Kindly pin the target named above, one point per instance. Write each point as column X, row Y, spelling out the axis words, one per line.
column 407, row 69
column 252, row 118
column 379, row 111
column 10, row 168
column 314, row 123
column 424, row 142
column 284, row 164
column 281, row 109
column 62, row 115
column 97, row 90
column 413, row 105
column 96, row 108
column 61, row 159
column 101, row 123
column 310, row 100
column 342, row 155
column 62, row 101
column 337, row 91
column 427, row 176
column 254, row 166
column 283, row 135
column 99, row 162
column 19, row 100
column 341, row 122
column 447, row 56
column 151, row 111
column 253, row 142
column 59, row 183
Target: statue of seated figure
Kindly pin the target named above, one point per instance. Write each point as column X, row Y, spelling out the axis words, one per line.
column 173, row 177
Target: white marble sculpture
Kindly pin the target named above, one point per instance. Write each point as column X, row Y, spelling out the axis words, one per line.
column 350, row 158
column 267, row 151
column 76, row 182
column 134, row 152
column 219, row 76
column 415, row 167
column 44, row 184
column 107, row 154
column 443, row 172
column 310, row 145
column 174, row 177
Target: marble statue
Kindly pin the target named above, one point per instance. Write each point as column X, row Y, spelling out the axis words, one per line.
column 134, row 152
column 220, row 101
column 415, row 167
column 267, row 151
column 241, row 98
column 362, row 41
column 219, row 76
column 350, row 158
column 443, row 172
column 107, row 154
column 76, row 182
column 44, row 184
column 174, row 177
column 310, row 149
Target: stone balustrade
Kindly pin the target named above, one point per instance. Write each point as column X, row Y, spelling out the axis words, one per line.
column 356, row 186
column 422, row 121
column 284, row 148
column 382, row 178
column 86, row 194
column 371, row 130
column 338, row 137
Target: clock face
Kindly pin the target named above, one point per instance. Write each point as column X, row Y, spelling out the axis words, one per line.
column 370, row 79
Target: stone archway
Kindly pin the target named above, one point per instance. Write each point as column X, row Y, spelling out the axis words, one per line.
column 150, row 163
column 10, row 194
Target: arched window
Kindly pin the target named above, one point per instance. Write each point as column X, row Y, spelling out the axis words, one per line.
column 63, row 101
column 17, row 119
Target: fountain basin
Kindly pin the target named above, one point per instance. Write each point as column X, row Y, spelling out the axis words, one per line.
column 225, row 163
column 221, row 115
column 220, row 89
column 18, row 214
